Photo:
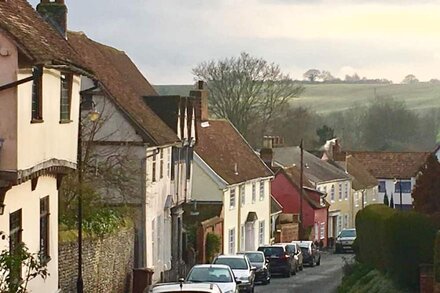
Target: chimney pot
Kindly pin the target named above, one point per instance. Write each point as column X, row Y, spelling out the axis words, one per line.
column 200, row 84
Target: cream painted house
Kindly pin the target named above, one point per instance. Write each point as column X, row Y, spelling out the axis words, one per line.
column 151, row 139
column 39, row 109
column 228, row 171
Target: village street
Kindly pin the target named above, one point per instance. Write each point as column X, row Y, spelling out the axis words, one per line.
column 323, row 279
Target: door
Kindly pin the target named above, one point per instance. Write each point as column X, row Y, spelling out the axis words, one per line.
column 250, row 236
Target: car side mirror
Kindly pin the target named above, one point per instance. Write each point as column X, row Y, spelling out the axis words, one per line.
column 253, row 269
column 238, row 282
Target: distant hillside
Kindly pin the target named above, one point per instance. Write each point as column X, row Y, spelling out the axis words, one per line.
column 327, row 98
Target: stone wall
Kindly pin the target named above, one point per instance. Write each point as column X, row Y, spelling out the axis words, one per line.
column 107, row 263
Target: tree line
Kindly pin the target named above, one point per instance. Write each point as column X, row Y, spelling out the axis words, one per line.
column 260, row 100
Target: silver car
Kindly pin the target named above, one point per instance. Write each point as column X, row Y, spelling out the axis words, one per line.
column 345, row 240
column 242, row 268
column 221, row 275
column 185, row 287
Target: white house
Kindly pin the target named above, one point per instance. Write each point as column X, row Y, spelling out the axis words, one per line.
column 153, row 145
column 39, row 108
column 227, row 170
column 395, row 171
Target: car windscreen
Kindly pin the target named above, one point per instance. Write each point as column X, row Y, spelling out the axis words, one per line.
column 255, row 257
column 272, row 251
column 233, row 263
column 348, row 233
column 206, row 274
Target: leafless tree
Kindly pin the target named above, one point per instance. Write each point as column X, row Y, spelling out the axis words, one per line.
column 246, row 90
column 312, row 74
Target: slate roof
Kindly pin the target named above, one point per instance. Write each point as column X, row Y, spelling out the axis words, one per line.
column 35, row 37
column 390, row 165
column 222, row 147
column 126, row 86
column 315, row 169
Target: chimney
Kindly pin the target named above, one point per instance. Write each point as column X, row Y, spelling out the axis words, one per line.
column 200, row 96
column 55, row 12
column 266, row 153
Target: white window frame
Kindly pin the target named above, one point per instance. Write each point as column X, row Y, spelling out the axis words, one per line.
column 340, row 191
column 232, row 198
column 332, row 193
column 242, row 237
column 261, row 232
column 262, row 190
column 346, row 191
column 322, row 228
column 231, row 241
column 254, row 192
column 242, row 189
column 345, row 220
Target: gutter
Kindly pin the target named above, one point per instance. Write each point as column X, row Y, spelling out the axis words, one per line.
column 35, row 74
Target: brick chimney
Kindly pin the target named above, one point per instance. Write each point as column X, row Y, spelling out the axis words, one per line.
column 266, row 152
column 55, row 12
column 200, row 96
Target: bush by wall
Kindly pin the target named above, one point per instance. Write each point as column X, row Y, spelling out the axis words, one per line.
column 370, row 241
column 395, row 242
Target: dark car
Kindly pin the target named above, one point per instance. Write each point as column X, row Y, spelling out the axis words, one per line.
column 280, row 261
column 345, row 240
column 310, row 251
column 257, row 259
column 295, row 252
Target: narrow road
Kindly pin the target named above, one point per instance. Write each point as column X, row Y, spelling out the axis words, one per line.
column 322, row 279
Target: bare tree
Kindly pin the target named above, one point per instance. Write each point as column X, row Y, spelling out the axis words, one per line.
column 246, row 90
column 410, row 79
column 312, row 74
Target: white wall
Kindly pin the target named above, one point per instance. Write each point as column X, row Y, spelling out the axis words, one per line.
column 390, row 188
column 204, row 188
column 39, row 142
column 21, row 197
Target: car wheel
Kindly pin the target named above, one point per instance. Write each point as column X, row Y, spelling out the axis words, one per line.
column 312, row 262
column 318, row 262
column 301, row 267
column 294, row 271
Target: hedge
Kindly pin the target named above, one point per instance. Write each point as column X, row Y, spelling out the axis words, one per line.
column 437, row 258
column 395, row 242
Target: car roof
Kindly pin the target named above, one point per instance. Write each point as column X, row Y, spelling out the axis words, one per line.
column 349, row 229
column 212, row 266
column 253, row 251
column 231, row 256
column 175, row 287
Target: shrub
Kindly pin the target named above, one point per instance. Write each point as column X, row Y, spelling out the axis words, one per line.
column 213, row 243
column 410, row 238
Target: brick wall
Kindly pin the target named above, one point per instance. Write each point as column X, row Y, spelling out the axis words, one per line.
column 107, row 263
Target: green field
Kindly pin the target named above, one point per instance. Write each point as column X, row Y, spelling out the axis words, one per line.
column 327, row 98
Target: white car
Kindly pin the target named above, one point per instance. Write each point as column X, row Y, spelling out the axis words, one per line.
column 242, row 269
column 185, row 287
column 221, row 275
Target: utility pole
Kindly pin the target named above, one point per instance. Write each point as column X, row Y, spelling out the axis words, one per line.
column 301, row 227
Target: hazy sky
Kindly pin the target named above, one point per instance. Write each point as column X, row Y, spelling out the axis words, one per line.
column 166, row 38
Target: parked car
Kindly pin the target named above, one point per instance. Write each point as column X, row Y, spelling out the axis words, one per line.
column 297, row 254
column 242, row 269
column 345, row 240
column 310, row 252
column 221, row 275
column 257, row 259
column 280, row 261
column 185, row 287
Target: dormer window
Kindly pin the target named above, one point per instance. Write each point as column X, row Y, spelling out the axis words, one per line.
column 37, row 94
column 66, row 80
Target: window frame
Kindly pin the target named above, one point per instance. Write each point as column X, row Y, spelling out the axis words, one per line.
column 242, row 191
column 346, row 191
column 232, row 198
column 161, row 163
column 37, row 95
column 153, row 167
column 45, row 233
column 261, row 232
column 340, row 191
column 69, row 80
column 382, row 187
column 254, row 192
column 404, row 189
column 231, row 241
column 332, row 193
column 15, row 236
column 262, row 190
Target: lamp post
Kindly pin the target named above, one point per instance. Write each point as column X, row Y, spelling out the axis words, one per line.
column 93, row 115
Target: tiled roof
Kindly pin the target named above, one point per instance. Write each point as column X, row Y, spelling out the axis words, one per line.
column 391, row 164
column 362, row 179
column 35, row 37
column 315, row 169
column 126, row 86
column 223, row 148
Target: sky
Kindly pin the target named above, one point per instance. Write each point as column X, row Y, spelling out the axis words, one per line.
column 167, row 38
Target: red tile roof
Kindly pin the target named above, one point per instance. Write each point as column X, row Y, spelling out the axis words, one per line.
column 391, row 164
column 35, row 37
column 223, row 148
column 362, row 179
column 125, row 84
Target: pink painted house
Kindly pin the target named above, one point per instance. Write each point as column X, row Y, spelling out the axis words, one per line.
column 285, row 189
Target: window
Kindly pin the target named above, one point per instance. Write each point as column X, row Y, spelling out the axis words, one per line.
column 44, row 228
column 153, row 240
column 261, row 190
column 15, row 237
column 340, row 191
column 158, row 237
column 332, row 193
column 316, row 230
column 406, row 186
column 356, row 199
column 153, row 172
column 242, row 238
column 322, row 234
column 254, row 192
column 37, row 94
column 232, row 198
column 346, row 191
column 189, row 159
column 382, row 187
column 232, row 241
column 261, row 233
column 66, row 81
column 161, row 164
column 242, row 195
column 339, row 224
column 168, row 161
column 345, row 221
